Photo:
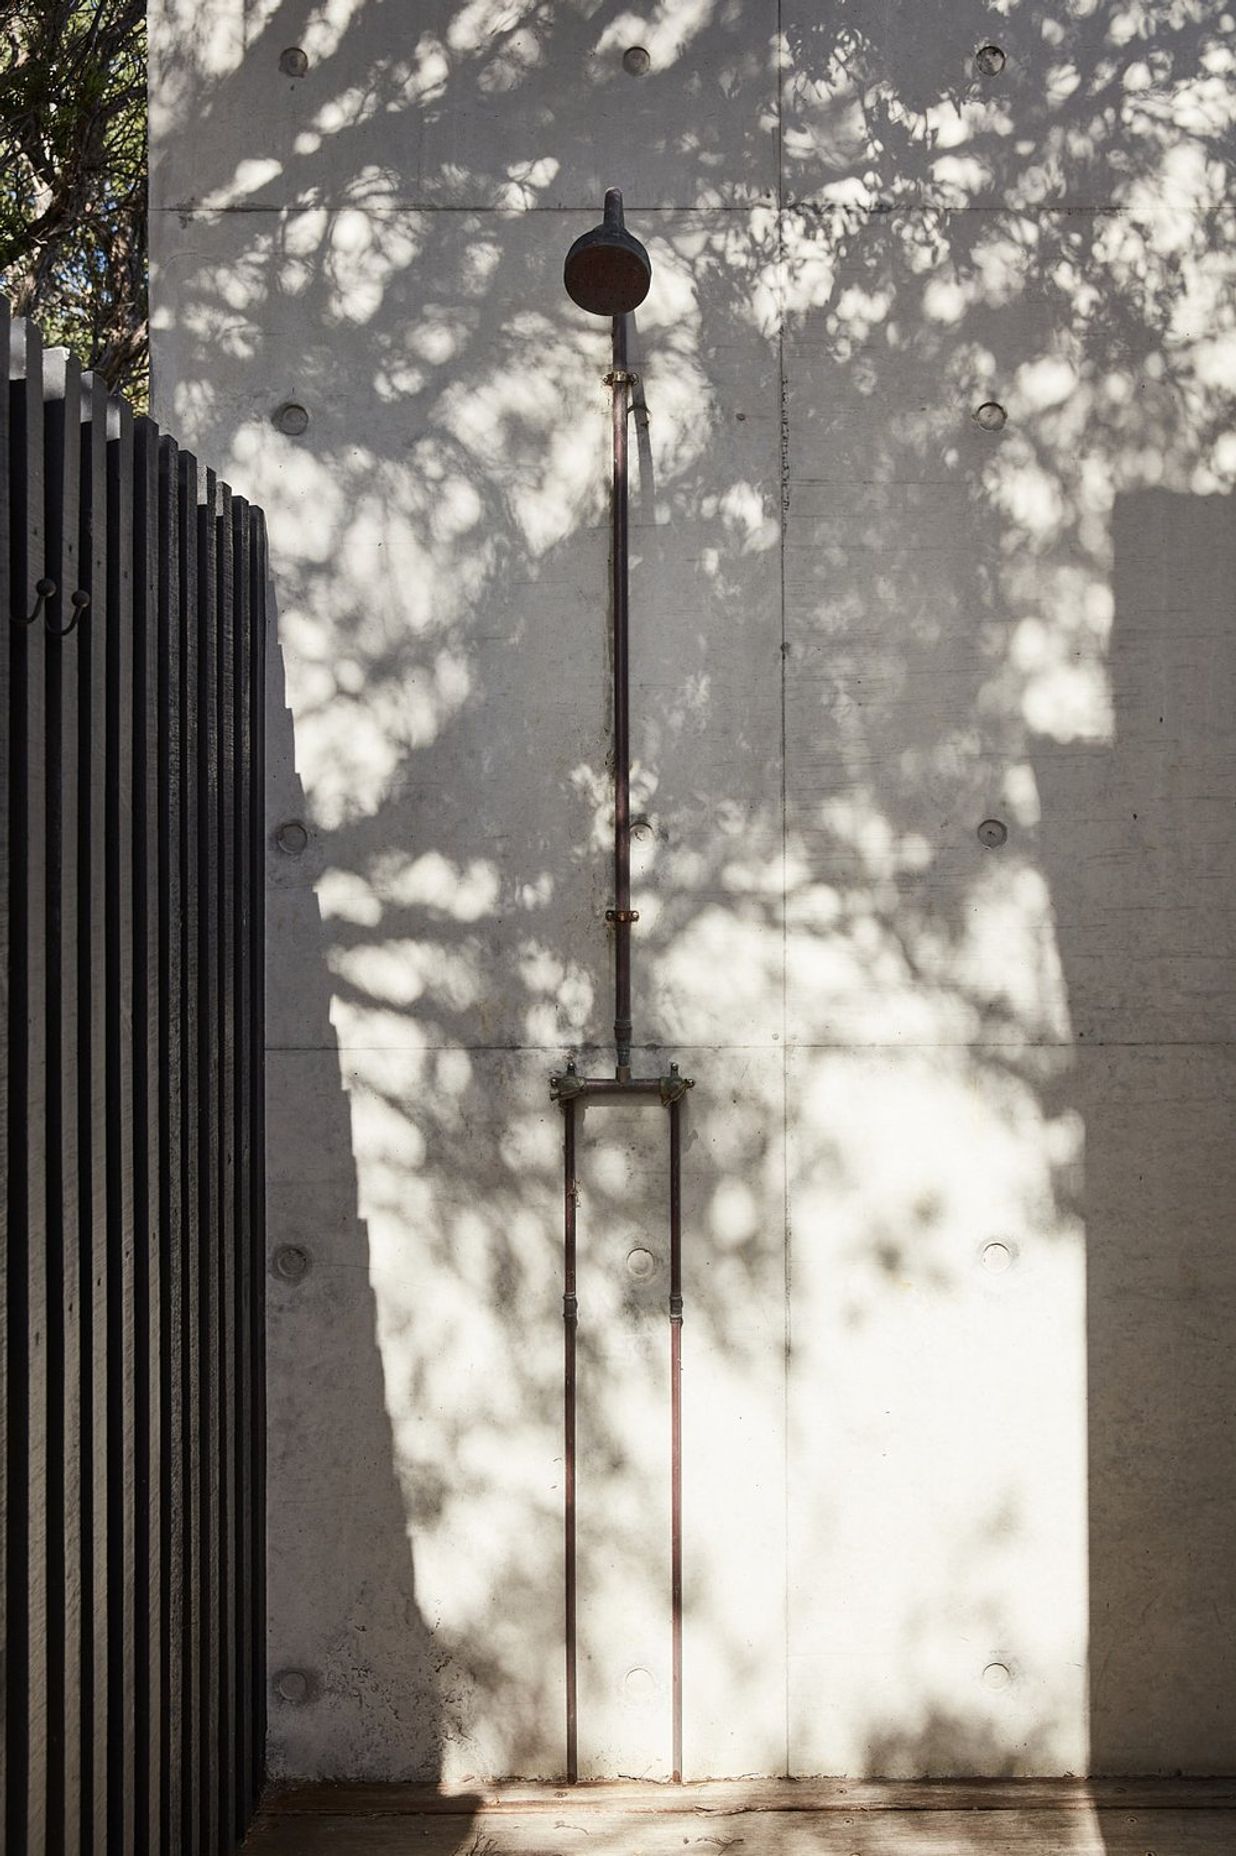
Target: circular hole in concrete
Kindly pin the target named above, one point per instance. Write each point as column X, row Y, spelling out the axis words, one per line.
column 641, row 1264
column 291, row 1263
column 636, row 60
column 997, row 1257
column 292, row 837
column 293, row 1685
column 293, row 62
column 997, row 1675
column 639, row 1686
column 993, row 832
column 990, row 60
column 292, row 419
column 991, row 416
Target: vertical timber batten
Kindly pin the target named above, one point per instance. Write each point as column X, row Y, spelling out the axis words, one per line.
column 169, row 786
column 92, row 1100
column 6, row 1102
column 62, row 439
column 209, row 1158
column 147, row 877
column 121, row 1338
column 27, row 1288
column 191, row 1353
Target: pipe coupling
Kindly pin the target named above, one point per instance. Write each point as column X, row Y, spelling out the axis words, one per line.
column 566, row 1086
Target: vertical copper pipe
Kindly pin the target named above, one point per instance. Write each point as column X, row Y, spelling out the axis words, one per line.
column 620, row 381
column 675, row 1312
column 570, row 1314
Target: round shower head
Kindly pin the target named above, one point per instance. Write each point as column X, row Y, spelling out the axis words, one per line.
column 607, row 271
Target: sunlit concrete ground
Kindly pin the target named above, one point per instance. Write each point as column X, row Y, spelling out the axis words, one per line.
column 775, row 1818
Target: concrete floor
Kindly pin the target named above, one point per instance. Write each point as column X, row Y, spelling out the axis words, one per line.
column 766, row 1818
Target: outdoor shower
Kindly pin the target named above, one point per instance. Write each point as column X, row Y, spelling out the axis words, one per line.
column 608, row 273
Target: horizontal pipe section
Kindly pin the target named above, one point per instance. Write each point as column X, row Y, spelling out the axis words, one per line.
column 665, row 1089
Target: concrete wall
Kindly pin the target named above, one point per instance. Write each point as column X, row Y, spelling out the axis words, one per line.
column 959, row 1172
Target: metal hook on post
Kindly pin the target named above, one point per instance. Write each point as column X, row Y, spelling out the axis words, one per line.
column 44, row 590
column 79, row 602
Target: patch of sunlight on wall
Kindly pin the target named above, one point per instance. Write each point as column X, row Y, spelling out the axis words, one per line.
column 940, row 1289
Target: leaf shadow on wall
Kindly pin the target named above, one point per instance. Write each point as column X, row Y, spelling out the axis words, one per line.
column 441, row 545
column 341, row 1579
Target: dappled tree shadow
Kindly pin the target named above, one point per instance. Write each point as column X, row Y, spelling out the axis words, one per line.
column 864, row 624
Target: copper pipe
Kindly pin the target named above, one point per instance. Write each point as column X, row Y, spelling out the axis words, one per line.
column 621, row 913
column 568, row 1086
column 570, row 1317
column 675, row 1315
column 607, row 272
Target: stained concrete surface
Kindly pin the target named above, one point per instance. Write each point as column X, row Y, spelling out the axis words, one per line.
column 770, row 1819
column 958, row 1201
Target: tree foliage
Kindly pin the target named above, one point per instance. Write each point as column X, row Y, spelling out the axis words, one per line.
column 73, row 178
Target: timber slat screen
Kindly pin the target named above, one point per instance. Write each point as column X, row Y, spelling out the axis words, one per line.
column 131, row 938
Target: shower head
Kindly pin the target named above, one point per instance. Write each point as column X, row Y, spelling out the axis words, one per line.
column 607, row 271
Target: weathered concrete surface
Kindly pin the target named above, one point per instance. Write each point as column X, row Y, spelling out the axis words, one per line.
column 957, row 1455
column 774, row 1818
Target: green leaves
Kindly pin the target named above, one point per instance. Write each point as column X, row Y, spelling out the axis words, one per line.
column 73, row 178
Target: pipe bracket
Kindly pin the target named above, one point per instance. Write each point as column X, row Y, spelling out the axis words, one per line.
column 567, row 1086
column 619, row 377
column 622, row 915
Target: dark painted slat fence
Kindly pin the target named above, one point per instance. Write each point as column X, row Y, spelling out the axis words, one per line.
column 6, row 961
column 131, row 1418
column 92, row 1097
